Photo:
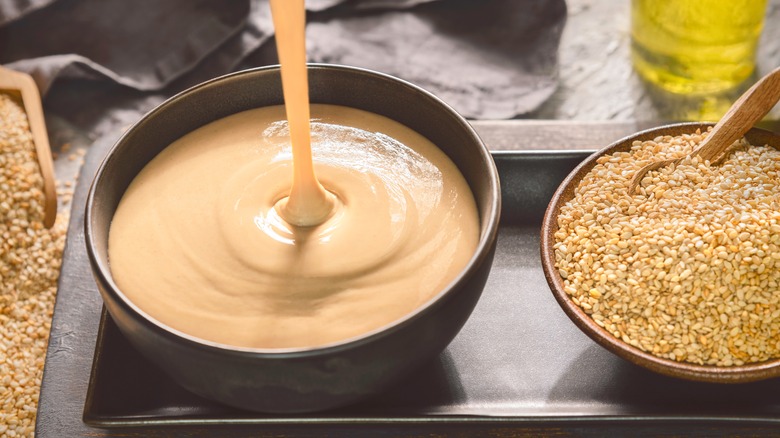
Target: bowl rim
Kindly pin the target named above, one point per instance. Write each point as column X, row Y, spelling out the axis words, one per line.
column 703, row 373
column 488, row 231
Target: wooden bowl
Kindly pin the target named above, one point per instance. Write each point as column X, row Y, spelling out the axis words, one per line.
column 685, row 370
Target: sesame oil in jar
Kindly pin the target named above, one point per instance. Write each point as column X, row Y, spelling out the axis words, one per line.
column 695, row 46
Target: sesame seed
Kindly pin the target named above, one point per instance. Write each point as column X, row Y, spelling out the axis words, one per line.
column 688, row 267
column 30, row 259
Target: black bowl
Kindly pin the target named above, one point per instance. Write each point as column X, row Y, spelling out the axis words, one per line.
column 305, row 379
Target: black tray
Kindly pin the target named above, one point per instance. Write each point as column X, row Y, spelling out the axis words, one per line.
column 518, row 360
column 518, row 367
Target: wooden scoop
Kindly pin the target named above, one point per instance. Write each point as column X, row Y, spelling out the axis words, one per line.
column 743, row 114
column 22, row 84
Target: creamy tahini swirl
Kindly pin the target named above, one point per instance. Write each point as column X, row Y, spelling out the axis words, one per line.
column 198, row 242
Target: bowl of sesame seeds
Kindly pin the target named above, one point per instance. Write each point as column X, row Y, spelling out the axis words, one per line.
column 683, row 276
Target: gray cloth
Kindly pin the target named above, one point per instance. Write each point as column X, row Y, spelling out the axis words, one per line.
column 490, row 60
column 103, row 63
column 142, row 44
column 10, row 10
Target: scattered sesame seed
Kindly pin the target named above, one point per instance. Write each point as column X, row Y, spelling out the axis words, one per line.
column 30, row 260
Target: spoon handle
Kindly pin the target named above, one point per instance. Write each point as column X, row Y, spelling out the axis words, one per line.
column 750, row 108
column 31, row 100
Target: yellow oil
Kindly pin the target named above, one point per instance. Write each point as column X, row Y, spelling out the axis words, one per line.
column 695, row 46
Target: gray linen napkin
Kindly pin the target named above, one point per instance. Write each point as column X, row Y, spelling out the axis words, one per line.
column 490, row 59
column 10, row 10
column 103, row 63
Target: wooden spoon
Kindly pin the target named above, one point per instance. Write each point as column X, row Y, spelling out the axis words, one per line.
column 21, row 83
column 743, row 114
